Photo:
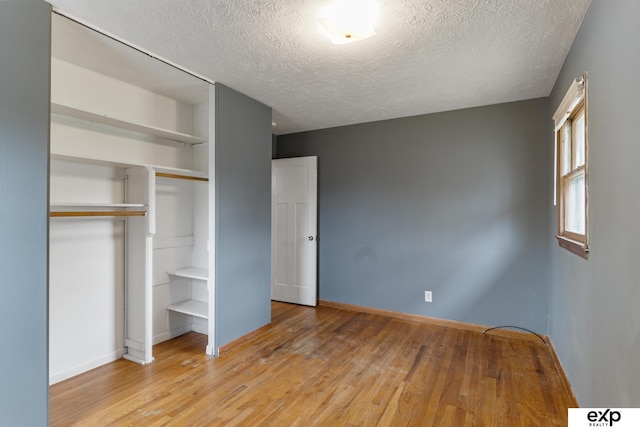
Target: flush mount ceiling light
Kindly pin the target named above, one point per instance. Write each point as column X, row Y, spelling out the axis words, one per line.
column 347, row 21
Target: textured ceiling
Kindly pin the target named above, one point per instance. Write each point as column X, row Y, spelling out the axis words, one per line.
column 428, row 55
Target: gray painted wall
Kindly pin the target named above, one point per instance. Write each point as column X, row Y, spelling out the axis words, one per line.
column 24, row 195
column 455, row 203
column 243, row 214
column 274, row 146
column 594, row 305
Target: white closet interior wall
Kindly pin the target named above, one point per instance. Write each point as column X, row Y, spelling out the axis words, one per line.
column 91, row 158
column 86, row 272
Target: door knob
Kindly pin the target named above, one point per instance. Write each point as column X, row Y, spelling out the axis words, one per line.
column 310, row 238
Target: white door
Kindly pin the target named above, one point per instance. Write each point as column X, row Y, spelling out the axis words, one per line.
column 294, row 228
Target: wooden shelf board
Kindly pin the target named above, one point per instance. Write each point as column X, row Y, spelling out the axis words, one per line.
column 123, row 124
column 191, row 307
column 192, row 273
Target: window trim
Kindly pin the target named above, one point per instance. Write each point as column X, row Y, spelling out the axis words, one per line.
column 573, row 105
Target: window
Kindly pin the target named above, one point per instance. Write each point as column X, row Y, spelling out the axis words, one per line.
column 571, row 169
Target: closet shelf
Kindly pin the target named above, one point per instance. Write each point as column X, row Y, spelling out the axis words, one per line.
column 59, row 205
column 76, row 214
column 123, row 124
column 191, row 273
column 191, row 307
column 59, row 210
column 124, row 164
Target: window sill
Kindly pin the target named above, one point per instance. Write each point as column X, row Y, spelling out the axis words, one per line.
column 574, row 247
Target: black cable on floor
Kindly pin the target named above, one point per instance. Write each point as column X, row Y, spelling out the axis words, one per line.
column 516, row 327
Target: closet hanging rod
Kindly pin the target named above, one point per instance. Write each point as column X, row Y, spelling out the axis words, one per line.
column 176, row 176
column 60, row 214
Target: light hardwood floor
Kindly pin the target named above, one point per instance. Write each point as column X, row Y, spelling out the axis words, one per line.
column 326, row 367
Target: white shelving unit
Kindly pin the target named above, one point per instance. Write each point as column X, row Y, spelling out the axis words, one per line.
column 111, row 159
column 191, row 307
column 188, row 282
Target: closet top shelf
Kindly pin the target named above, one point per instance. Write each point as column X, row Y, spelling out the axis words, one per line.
column 123, row 124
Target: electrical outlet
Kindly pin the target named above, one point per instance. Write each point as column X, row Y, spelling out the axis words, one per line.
column 427, row 296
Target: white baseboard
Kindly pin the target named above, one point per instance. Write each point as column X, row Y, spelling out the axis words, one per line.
column 171, row 334
column 199, row 328
column 79, row 369
column 92, row 364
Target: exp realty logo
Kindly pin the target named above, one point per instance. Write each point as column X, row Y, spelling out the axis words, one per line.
column 604, row 417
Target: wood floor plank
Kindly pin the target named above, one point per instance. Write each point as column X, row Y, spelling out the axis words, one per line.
column 325, row 366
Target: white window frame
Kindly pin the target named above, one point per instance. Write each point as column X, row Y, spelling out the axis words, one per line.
column 573, row 104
